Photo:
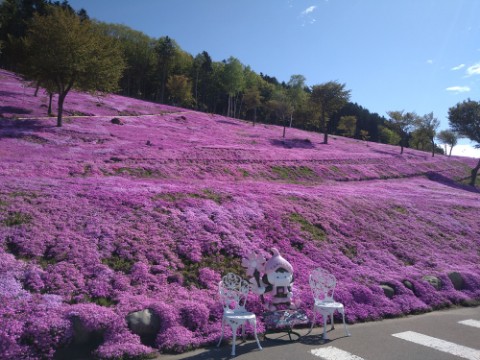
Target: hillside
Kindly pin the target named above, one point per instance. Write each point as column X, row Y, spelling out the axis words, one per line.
column 98, row 220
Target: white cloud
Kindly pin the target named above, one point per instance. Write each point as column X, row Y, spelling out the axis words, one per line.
column 473, row 70
column 458, row 89
column 309, row 10
column 465, row 150
column 429, row 61
column 458, row 67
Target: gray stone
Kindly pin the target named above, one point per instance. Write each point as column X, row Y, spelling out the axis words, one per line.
column 83, row 336
column 408, row 285
column 456, row 280
column 117, row 121
column 434, row 281
column 388, row 290
column 144, row 322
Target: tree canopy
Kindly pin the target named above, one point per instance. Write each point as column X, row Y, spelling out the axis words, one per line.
column 67, row 52
column 327, row 99
column 464, row 119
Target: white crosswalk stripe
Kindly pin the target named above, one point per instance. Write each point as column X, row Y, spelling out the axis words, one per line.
column 470, row 322
column 441, row 345
column 333, row 353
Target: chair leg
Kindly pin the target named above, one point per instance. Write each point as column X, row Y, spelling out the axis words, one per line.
column 221, row 336
column 325, row 316
column 234, row 340
column 345, row 324
column 254, row 321
column 313, row 320
column 243, row 332
column 331, row 321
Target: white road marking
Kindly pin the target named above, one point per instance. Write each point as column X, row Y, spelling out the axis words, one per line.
column 470, row 322
column 441, row 345
column 333, row 353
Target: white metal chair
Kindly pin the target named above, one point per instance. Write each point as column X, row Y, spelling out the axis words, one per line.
column 233, row 292
column 323, row 285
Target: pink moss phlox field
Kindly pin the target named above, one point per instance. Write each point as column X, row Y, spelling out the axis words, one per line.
column 99, row 220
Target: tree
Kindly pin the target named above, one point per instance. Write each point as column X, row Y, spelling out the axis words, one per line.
column 327, row 99
column 252, row 99
column 428, row 124
column 180, row 90
column 233, row 82
column 464, row 119
column 347, row 125
column 448, row 137
column 296, row 94
column 402, row 123
column 281, row 107
column 166, row 50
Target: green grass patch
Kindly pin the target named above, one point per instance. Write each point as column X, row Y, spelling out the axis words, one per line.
column 117, row 263
column 293, row 173
column 400, row 209
column 206, row 194
column 221, row 263
column 244, row 172
column 137, row 172
column 349, row 251
column 315, row 230
column 17, row 218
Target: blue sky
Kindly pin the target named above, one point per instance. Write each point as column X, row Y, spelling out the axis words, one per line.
column 415, row 55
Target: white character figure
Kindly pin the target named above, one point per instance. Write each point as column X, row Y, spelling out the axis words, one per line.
column 278, row 279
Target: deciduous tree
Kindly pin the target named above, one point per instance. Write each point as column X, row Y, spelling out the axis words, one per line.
column 402, row 122
column 464, row 119
column 327, row 99
column 70, row 53
column 428, row 125
column 448, row 137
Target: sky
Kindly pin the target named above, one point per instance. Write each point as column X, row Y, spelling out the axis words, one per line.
column 412, row 55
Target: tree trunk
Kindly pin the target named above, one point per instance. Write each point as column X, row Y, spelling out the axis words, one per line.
column 474, row 173
column 433, row 148
column 61, row 99
column 325, row 131
column 254, row 115
column 291, row 119
column 284, row 127
column 50, row 97
column 37, row 87
column 450, row 154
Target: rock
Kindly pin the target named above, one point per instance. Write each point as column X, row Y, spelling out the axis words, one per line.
column 408, row 285
column 117, row 121
column 149, row 143
column 83, row 336
column 144, row 323
column 434, row 281
column 388, row 290
column 456, row 280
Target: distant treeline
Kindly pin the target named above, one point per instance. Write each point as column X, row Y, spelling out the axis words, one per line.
column 159, row 70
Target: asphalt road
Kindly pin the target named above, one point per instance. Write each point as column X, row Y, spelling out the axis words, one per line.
column 439, row 333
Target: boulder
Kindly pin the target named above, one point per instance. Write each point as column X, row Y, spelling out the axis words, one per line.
column 144, row 323
column 456, row 280
column 388, row 290
column 434, row 281
column 117, row 121
column 408, row 285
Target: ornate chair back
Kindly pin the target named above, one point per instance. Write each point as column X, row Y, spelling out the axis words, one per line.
column 233, row 291
column 323, row 285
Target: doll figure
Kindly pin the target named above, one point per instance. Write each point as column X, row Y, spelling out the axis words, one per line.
column 278, row 281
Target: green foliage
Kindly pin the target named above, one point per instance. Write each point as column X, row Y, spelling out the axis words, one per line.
column 327, row 99
column 464, row 119
column 347, row 125
column 349, row 251
column 402, row 122
column 449, row 138
column 118, row 263
column 17, row 218
column 62, row 51
column 315, row 230
column 221, row 263
column 180, row 90
column 294, row 173
column 388, row 136
column 206, row 194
